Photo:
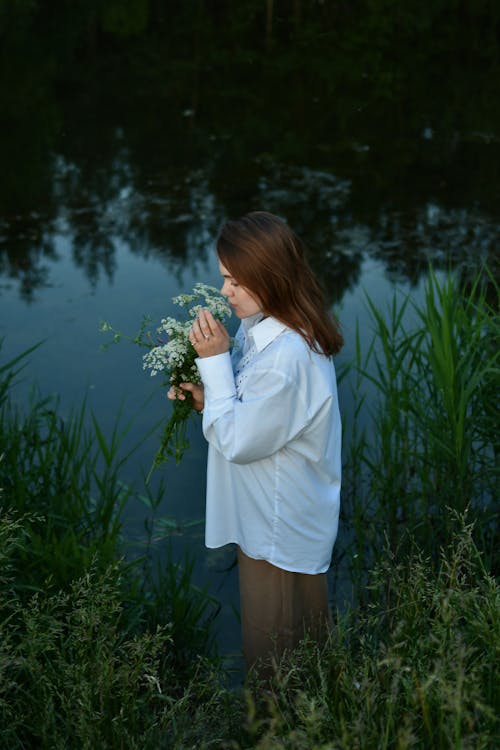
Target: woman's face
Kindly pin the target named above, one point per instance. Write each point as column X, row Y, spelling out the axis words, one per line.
column 240, row 299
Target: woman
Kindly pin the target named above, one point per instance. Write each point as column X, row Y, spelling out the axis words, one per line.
column 271, row 418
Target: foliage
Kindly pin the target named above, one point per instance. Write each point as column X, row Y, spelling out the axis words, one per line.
column 74, row 675
column 70, row 476
column 94, row 649
column 415, row 669
column 431, row 441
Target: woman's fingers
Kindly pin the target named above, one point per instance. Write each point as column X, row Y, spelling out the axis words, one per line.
column 222, row 329
column 200, row 331
column 197, row 392
column 211, row 325
column 205, row 322
column 174, row 393
column 208, row 335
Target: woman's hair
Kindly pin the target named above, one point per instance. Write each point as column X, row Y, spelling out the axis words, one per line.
column 266, row 257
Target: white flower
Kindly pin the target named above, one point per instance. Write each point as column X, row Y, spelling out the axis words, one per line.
column 175, row 358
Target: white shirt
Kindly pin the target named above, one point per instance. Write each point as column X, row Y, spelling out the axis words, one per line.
column 272, row 422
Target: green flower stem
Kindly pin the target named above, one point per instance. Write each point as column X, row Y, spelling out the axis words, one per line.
column 174, row 442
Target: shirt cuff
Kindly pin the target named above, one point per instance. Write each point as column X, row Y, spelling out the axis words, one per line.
column 217, row 375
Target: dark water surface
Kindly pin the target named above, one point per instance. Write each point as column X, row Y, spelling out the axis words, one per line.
column 130, row 131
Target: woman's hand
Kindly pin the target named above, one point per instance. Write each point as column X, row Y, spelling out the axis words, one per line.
column 208, row 335
column 197, row 391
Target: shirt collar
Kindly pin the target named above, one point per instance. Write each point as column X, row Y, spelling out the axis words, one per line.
column 263, row 331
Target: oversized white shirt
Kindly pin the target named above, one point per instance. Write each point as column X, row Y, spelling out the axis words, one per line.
column 272, row 421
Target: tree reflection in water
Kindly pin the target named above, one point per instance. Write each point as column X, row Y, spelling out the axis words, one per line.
column 151, row 122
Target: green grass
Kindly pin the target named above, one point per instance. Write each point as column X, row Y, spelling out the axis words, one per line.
column 77, row 670
column 69, row 476
column 415, row 668
column 94, row 648
column 431, row 442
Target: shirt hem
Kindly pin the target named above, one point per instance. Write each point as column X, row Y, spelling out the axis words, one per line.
column 288, row 567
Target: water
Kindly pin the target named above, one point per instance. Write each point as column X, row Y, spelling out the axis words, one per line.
column 125, row 150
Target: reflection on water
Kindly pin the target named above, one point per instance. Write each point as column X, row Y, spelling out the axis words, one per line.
column 177, row 224
column 128, row 137
column 152, row 123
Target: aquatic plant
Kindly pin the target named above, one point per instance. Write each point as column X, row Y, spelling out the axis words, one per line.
column 63, row 497
column 428, row 394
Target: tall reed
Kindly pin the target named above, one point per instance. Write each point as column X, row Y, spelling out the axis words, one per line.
column 93, row 647
column 431, row 441
column 56, row 468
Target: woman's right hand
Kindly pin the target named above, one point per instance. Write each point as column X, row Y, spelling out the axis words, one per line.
column 197, row 391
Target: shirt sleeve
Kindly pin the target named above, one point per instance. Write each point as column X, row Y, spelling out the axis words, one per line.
column 271, row 414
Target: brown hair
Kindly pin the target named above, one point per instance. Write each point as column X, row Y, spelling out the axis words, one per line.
column 266, row 257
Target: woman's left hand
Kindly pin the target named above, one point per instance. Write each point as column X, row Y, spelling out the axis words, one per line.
column 197, row 392
column 208, row 336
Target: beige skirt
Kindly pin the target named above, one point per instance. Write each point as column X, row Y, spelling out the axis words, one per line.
column 278, row 608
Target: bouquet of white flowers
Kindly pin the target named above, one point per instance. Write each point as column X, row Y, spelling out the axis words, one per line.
column 174, row 358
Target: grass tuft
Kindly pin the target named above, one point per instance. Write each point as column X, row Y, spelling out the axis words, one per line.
column 415, row 668
column 430, row 436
